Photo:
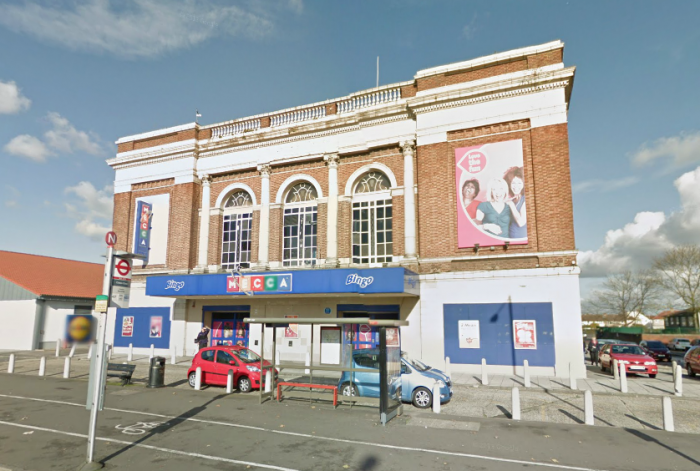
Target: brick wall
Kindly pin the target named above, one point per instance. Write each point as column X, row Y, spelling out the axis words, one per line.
column 120, row 220
column 275, row 244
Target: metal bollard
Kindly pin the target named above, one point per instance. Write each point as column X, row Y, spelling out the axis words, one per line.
column 72, row 351
column 448, row 366
column 11, row 365
column 616, row 370
column 66, row 368
column 198, row 379
column 484, row 374
column 173, row 356
column 90, row 351
column 678, row 383
column 130, row 355
column 229, row 382
column 673, row 369
column 668, row 413
column 153, row 351
column 42, row 366
column 515, row 402
column 268, row 381
column 623, row 378
column 572, row 378
column 436, row 398
column 58, row 347
column 588, row 408
column 526, row 373
column 307, row 362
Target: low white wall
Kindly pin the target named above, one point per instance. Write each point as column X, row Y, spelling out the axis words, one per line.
column 18, row 320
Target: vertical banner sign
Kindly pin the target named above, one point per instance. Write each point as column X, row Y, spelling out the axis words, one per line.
column 490, row 182
column 525, row 335
column 469, row 334
column 121, row 282
column 128, row 326
column 142, row 238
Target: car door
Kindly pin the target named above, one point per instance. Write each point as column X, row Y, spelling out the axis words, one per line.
column 207, row 365
column 222, row 366
column 407, row 380
column 605, row 356
column 367, row 381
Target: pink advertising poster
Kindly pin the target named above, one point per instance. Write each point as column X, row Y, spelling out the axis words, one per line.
column 156, row 327
column 525, row 335
column 491, row 206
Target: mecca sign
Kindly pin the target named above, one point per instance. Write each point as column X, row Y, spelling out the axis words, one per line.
column 142, row 236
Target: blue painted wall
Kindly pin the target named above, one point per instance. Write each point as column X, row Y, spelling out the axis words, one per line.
column 496, row 326
column 142, row 327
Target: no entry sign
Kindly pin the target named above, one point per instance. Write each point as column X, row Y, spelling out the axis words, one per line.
column 111, row 238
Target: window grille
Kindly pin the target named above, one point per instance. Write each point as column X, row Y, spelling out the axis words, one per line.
column 235, row 252
column 299, row 227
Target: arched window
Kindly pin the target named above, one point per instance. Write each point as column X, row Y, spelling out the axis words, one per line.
column 238, row 223
column 372, row 239
column 299, row 227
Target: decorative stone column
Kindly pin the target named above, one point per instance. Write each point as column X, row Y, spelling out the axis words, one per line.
column 332, row 218
column 203, row 254
column 264, row 235
column 409, row 198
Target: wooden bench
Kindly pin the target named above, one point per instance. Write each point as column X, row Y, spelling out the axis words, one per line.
column 121, row 371
column 310, row 386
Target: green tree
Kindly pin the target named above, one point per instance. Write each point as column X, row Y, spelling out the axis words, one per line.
column 679, row 273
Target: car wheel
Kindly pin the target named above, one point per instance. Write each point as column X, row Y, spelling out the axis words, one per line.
column 348, row 389
column 244, row 384
column 691, row 372
column 602, row 368
column 192, row 378
column 422, row 398
column 652, row 376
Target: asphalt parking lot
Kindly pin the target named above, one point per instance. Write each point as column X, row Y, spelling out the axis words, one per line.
column 43, row 424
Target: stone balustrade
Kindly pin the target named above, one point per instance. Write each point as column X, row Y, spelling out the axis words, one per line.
column 298, row 116
column 238, row 127
column 370, row 99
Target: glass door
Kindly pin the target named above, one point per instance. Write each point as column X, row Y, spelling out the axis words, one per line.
column 228, row 328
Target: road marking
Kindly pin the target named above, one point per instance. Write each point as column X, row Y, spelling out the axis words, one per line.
column 139, row 428
column 150, row 447
column 330, row 439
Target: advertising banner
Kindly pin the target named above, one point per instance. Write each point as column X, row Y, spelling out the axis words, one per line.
column 525, row 335
column 156, row 327
column 469, row 334
column 128, row 326
column 142, row 238
column 491, row 194
column 292, row 330
column 78, row 328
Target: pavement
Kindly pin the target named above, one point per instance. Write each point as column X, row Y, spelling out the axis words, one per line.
column 43, row 426
column 548, row 400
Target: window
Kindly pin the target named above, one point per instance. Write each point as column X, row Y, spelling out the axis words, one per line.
column 299, row 227
column 372, row 236
column 208, row 355
column 222, row 356
column 236, row 234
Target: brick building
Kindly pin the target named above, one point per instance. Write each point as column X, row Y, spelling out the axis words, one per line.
column 444, row 200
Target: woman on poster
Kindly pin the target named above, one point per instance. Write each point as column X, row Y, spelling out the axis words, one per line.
column 470, row 190
column 516, row 189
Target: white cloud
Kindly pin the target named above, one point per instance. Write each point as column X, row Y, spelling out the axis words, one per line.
column 65, row 138
column 93, row 208
column 683, row 149
column 138, row 28
column 11, row 99
column 13, row 201
column 639, row 242
column 28, row 147
column 603, row 186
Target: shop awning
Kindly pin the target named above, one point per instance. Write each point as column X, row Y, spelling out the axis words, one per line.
column 395, row 281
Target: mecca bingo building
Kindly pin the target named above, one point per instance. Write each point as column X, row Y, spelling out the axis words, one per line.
column 444, row 200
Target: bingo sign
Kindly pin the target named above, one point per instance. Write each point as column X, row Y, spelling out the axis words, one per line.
column 142, row 239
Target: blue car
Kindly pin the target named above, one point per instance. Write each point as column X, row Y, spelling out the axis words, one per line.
column 417, row 380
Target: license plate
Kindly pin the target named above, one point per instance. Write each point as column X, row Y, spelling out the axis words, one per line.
column 637, row 368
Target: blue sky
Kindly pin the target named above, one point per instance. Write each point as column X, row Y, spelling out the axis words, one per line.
column 77, row 75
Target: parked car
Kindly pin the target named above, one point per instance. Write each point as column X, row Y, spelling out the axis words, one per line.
column 217, row 361
column 656, row 349
column 694, row 343
column 679, row 344
column 631, row 356
column 692, row 361
column 416, row 384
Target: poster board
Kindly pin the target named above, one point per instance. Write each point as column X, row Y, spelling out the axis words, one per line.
column 330, row 345
column 525, row 335
column 469, row 334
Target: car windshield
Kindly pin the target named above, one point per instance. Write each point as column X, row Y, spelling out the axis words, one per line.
column 655, row 344
column 627, row 350
column 684, row 340
column 246, row 356
column 417, row 364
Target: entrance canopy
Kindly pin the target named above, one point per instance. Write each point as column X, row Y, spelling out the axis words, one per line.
column 393, row 281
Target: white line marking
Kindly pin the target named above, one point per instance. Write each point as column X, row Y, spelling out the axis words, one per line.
column 150, row 447
column 329, row 439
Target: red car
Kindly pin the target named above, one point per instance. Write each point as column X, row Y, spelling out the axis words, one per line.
column 217, row 361
column 632, row 356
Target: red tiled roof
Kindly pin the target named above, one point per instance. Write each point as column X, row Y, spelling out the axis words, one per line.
column 48, row 276
column 661, row 315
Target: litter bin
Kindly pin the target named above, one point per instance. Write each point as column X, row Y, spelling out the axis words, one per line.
column 156, row 374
